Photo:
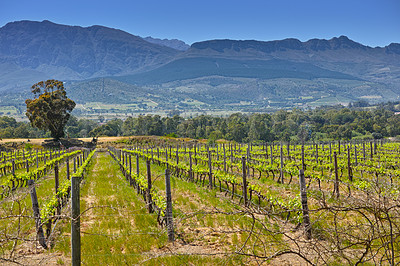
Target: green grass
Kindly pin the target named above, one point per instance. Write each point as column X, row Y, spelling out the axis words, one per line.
column 118, row 230
column 207, row 217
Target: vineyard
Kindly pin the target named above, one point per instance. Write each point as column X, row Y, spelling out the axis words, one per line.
column 180, row 201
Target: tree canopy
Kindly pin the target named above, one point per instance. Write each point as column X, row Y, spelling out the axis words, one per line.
column 50, row 109
column 320, row 124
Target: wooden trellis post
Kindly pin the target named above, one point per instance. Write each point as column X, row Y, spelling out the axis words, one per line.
column 56, row 186
column 68, row 174
column 336, row 185
column 281, row 169
column 210, row 170
column 304, row 205
column 244, row 181
column 190, row 167
column 223, row 146
column 149, row 200
column 349, row 165
column 36, row 213
column 75, row 222
column 170, row 224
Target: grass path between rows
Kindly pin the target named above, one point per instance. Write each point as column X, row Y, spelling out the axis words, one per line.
column 116, row 228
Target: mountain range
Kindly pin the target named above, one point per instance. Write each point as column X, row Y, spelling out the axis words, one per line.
column 37, row 50
column 211, row 72
column 174, row 43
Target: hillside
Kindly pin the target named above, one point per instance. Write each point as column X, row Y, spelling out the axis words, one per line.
column 379, row 64
column 196, row 67
column 37, row 50
column 285, row 72
column 101, row 64
column 174, row 43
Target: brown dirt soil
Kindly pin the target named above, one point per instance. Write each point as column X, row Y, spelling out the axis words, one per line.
column 39, row 257
column 32, row 253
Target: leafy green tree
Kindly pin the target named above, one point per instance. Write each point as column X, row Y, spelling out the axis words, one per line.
column 377, row 135
column 142, row 125
column 304, row 133
column 22, row 131
column 6, row 121
column 112, row 128
column 50, row 109
column 214, row 136
column 7, row 132
column 171, row 124
column 128, row 127
column 260, row 127
column 200, row 132
column 237, row 128
column 156, row 126
column 186, row 129
column 393, row 127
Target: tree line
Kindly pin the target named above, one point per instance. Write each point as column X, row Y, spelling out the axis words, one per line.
column 327, row 123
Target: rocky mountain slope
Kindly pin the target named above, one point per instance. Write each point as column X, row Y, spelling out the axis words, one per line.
column 174, row 43
column 379, row 64
column 37, row 50
column 212, row 72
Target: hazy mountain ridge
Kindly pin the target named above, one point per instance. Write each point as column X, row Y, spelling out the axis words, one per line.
column 212, row 72
column 197, row 67
column 379, row 64
column 173, row 43
column 312, row 45
column 73, row 52
column 220, row 71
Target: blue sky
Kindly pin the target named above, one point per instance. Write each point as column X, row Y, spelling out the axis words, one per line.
column 370, row 22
